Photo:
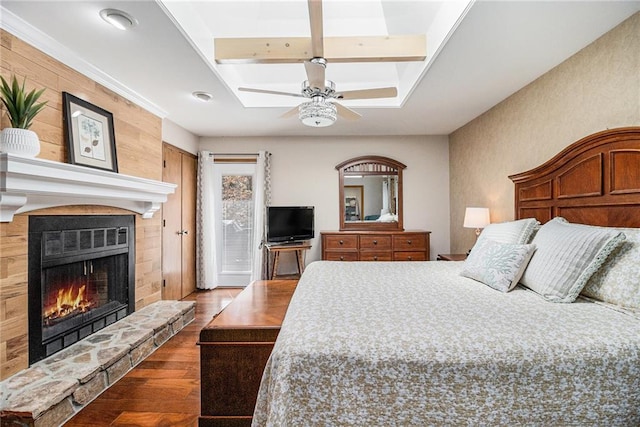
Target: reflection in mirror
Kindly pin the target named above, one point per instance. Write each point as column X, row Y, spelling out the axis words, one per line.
column 371, row 198
column 371, row 194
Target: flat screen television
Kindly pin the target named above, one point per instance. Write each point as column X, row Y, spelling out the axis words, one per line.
column 290, row 223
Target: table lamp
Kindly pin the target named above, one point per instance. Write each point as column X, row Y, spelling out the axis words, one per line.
column 476, row 218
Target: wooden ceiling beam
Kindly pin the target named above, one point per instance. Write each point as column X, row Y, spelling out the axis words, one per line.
column 317, row 32
column 376, row 48
column 336, row 49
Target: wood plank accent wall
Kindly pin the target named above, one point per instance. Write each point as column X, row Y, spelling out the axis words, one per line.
column 138, row 136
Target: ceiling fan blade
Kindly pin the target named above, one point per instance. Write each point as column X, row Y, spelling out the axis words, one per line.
column 315, row 74
column 346, row 113
column 381, row 92
column 290, row 113
column 269, row 92
column 317, row 36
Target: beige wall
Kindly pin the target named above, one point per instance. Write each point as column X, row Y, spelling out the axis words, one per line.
column 303, row 173
column 596, row 89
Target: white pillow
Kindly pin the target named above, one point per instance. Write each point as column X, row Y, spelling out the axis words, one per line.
column 566, row 257
column 618, row 280
column 498, row 265
column 515, row 232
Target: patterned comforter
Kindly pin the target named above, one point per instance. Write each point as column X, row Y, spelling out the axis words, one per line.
column 415, row 344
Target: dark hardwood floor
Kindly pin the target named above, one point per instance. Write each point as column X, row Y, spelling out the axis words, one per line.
column 164, row 389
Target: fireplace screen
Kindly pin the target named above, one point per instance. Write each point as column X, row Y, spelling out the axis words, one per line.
column 74, row 294
column 81, row 278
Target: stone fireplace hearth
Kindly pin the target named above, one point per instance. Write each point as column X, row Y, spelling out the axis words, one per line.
column 54, row 389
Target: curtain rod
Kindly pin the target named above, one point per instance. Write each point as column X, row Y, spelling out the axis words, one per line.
column 236, row 154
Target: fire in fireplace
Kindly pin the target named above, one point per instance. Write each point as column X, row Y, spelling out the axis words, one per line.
column 81, row 278
column 70, row 301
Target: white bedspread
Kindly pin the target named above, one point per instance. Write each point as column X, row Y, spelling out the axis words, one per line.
column 400, row 344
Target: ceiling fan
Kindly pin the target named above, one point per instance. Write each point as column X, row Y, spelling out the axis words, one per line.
column 322, row 110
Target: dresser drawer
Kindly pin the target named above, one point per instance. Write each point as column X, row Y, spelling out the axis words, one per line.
column 409, row 242
column 341, row 256
column 376, row 256
column 375, row 242
column 333, row 242
column 409, row 256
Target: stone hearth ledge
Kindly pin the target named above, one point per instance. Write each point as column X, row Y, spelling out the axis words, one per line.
column 51, row 391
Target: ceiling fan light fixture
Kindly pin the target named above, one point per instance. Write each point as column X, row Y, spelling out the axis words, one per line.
column 317, row 113
column 119, row 19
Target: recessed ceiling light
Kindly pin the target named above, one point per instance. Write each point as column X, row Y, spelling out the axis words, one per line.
column 119, row 19
column 202, row 96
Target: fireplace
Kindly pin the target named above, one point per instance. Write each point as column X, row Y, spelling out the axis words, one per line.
column 81, row 278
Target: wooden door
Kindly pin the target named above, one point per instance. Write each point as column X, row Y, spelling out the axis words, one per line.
column 189, row 168
column 179, row 224
column 172, row 226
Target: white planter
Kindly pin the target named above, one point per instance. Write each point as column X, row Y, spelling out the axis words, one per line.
column 21, row 142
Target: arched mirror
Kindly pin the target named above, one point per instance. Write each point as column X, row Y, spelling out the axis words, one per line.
column 370, row 193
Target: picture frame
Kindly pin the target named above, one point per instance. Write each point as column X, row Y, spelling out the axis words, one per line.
column 89, row 134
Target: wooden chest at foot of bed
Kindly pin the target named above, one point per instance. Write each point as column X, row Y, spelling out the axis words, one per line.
column 234, row 348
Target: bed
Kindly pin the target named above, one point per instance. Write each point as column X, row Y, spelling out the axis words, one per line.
column 437, row 343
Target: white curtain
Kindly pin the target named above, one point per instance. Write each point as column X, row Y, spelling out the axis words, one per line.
column 206, row 258
column 262, row 199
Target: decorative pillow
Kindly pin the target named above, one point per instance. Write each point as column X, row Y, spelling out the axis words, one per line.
column 498, row 265
column 618, row 280
column 566, row 257
column 514, row 232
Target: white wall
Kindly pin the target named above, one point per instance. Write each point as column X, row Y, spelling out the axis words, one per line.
column 303, row 173
column 179, row 137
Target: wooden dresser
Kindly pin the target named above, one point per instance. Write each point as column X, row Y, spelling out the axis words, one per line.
column 375, row 245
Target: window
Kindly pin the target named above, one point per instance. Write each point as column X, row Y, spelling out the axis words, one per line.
column 235, row 200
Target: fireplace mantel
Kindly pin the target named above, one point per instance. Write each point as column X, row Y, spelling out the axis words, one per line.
column 27, row 184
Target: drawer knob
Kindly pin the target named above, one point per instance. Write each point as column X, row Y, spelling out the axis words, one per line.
column 410, row 259
column 341, row 242
column 375, row 258
column 341, row 258
column 408, row 242
column 375, row 242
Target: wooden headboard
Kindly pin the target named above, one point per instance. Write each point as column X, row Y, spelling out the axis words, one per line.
column 595, row 180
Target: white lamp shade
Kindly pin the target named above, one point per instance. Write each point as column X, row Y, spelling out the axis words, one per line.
column 476, row 218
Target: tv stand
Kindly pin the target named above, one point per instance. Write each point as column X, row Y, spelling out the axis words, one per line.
column 292, row 243
column 297, row 247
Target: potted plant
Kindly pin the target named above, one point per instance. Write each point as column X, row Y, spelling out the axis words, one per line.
column 21, row 109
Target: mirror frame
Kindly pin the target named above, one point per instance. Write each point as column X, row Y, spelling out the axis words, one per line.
column 370, row 165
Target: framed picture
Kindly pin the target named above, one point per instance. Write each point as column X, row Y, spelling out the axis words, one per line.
column 89, row 134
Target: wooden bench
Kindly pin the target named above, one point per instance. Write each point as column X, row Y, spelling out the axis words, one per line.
column 234, row 348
